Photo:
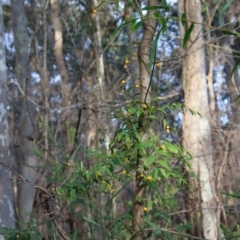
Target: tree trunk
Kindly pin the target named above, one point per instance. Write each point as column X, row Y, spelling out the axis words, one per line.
column 7, row 210
column 201, row 199
column 144, row 55
column 58, row 51
column 26, row 116
column 103, row 113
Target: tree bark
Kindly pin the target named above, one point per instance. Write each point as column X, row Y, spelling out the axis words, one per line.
column 143, row 55
column 58, row 51
column 7, row 210
column 103, row 113
column 26, row 116
column 201, row 199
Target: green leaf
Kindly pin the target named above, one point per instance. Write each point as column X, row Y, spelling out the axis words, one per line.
column 91, row 221
column 187, row 35
column 184, row 19
column 150, row 160
column 151, row 224
column 155, row 173
column 153, row 50
column 119, row 136
column 163, row 153
column 72, row 193
column 165, row 2
column 153, row 117
column 136, row 25
column 236, row 99
column 122, row 25
column 163, row 164
column 229, row 32
column 223, row 10
column 164, row 25
column 162, row 21
column 163, row 172
column 137, row 135
column 171, row 147
column 144, row 144
column 231, row 195
column 194, row 112
column 235, row 67
column 81, row 166
column 149, row 206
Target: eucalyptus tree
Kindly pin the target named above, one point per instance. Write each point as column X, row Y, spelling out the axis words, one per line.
column 201, row 200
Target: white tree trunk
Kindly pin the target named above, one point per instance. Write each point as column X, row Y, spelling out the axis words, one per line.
column 201, row 200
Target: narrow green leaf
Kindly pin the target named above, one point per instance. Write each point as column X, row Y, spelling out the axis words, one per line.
column 236, row 99
column 91, row 221
column 153, row 117
column 122, row 25
column 150, row 160
column 149, row 206
column 229, row 32
column 184, row 19
column 153, row 50
column 81, row 166
column 137, row 135
column 171, row 147
column 163, row 172
column 187, row 35
column 144, row 144
column 163, row 164
column 72, row 193
column 164, row 25
column 231, row 195
column 165, row 2
column 235, row 67
column 119, row 136
column 136, row 25
column 163, row 153
column 223, row 10
column 162, row 21
column 155, row 173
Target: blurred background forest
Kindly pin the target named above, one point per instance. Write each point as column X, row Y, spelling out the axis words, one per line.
column 119, row 119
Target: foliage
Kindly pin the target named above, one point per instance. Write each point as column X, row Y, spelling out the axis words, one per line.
column 96, row 188
column 90, row 183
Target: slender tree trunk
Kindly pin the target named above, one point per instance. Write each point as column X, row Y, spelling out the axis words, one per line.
column 143, row 55
column 200, row 200
column 26, row 116
column 42, row 177
column 103, row 113
column 7, row 210
column 58, row 51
